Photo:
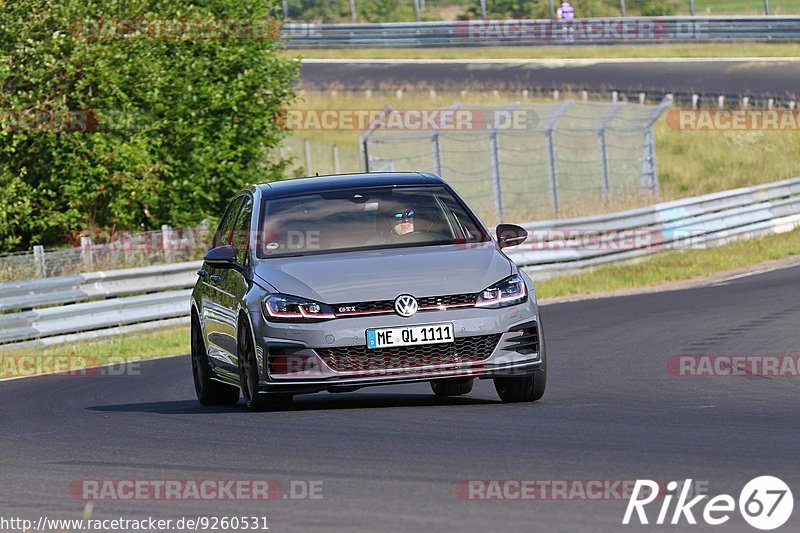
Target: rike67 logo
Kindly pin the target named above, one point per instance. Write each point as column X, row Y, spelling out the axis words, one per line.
column 765, row 503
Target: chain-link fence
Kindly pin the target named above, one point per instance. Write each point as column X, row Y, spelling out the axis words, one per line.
column 126, row 250
column 532, row 158
column 307, row 157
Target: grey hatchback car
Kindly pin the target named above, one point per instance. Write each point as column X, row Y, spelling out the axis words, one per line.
column 340, row 282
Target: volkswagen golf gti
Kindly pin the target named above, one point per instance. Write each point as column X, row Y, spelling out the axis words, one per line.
column 340, row 282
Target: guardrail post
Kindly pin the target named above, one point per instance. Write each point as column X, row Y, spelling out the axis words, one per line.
column 766, row 7
column 437, row 154
column 691, row 7
column 622, row 8
column 483, row 9
column 417, row 12
column 86, row 253
column 39, row 261
column 496, row 189
column 335, row 159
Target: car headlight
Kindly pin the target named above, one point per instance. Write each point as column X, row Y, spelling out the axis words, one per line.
column 510, row 291
column 283, row 308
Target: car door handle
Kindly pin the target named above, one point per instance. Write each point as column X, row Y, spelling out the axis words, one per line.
column 202, row 273
column 215, row 279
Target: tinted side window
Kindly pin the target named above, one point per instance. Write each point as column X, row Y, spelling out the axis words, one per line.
column 223, row 235
column 241, row 233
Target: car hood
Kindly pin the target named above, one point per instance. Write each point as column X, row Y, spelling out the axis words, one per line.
column 385, row 274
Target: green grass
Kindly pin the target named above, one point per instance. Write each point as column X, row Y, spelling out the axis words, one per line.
column 126, row 347
column 559, row 52
column 673, row 266
column 738, row 7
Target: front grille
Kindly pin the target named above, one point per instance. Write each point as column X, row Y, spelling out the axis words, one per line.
column 387, row 306
column 360, row 359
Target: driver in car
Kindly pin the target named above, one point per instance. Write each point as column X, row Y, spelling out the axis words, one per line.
column 403, row 222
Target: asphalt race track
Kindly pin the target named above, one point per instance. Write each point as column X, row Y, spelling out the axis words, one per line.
column 390, row 458
column 703, row 76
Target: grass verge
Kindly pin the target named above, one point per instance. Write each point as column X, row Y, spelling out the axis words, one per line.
column 558, row 52
column 663, row 267
column 117, row 349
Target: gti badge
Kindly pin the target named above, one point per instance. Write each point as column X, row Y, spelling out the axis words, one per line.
column 405, row 305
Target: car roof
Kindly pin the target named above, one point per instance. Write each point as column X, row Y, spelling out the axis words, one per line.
column 347, row 181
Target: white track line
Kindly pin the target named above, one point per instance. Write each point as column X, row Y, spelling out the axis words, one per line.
column 725, row 281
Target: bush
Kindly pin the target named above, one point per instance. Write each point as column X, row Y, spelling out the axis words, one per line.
column 189, row 121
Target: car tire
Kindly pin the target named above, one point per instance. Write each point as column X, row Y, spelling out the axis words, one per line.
column 525, row 388
column 249, row 376
column 208, row 390
column 451, row 387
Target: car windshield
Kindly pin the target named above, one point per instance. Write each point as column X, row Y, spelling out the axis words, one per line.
column 366, row 218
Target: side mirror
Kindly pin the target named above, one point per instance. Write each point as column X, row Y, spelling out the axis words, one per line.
column 221, row 257
column 510, row 235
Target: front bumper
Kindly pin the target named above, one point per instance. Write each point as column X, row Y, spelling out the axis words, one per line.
column 302, row 345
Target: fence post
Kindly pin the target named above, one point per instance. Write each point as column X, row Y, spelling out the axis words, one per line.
column 601, row 132
column 335, row 159
column 364, row 148
column 307, row 150
column 483, row 9
column 437, row 154
column 691, row 7
column 552, row 10
column 766, row 7
column 353, row 15
column 649, row 169
column 38, row 260
column 551, row 152
column 417, row 12
column 86, row 253
column 496, row 189
column 166, row 242
column 622, row 8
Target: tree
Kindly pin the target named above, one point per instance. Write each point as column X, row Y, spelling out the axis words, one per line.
column 120, row 124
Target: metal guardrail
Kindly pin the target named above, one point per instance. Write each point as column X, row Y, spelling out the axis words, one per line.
column 632, row 30
column 102, row 300
column 568, row 245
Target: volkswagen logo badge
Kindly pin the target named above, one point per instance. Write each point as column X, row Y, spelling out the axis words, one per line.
column 406, row 305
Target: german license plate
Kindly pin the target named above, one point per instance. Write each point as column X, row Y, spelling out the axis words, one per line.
column 410, row 335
